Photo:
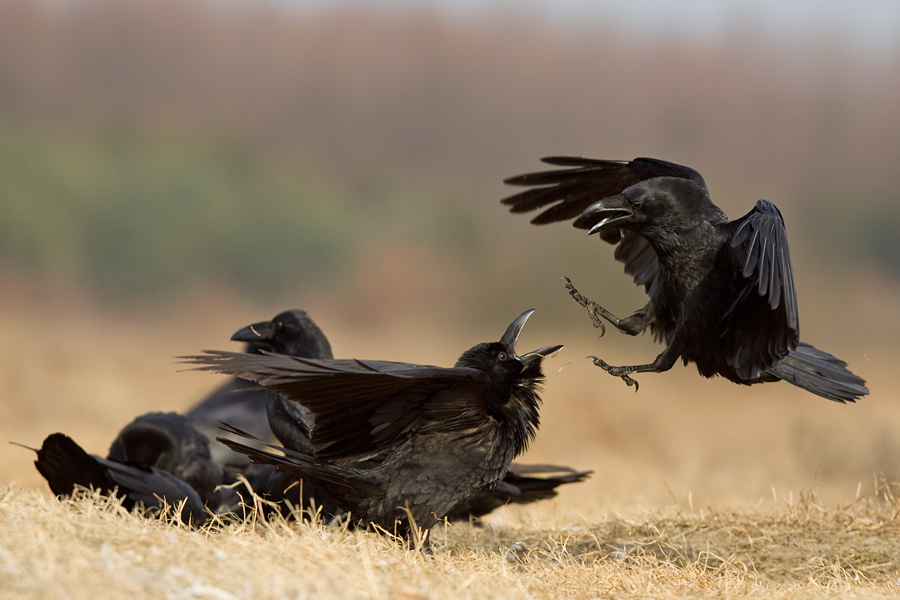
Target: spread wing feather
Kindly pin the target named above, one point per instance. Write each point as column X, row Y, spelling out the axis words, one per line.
column 763, row 319
column 585, row 181
column 571, row 190
column 362, row 407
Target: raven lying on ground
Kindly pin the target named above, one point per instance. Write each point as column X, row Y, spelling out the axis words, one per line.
column 168, row 442
column 447, row 435
column 721, row 292
column 164, row 458
column 66, row 466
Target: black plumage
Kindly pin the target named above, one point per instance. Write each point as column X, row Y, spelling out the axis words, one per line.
column 243, row 404
column 721, row 292
column 167, row 441
column 447, row 435
column 522, row 484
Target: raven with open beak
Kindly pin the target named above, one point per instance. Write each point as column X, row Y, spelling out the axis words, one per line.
column 446, row 434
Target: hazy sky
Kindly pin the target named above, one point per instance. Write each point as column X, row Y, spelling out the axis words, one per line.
column 867, row 23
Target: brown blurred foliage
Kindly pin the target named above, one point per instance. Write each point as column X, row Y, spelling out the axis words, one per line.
column 445, row 108
column 410, row 94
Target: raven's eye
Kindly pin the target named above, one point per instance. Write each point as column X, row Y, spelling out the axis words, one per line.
column 502, row 356
column 637, row 205
column 278, row 325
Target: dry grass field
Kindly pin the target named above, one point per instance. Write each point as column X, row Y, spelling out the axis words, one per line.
column 700, row 489
column 90, row 547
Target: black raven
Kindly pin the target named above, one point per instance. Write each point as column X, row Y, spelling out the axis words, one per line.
column 243, row 405
column 447, row 434
column 290, row 423
column 168, row 442
column 721, row 292
column 66, row 466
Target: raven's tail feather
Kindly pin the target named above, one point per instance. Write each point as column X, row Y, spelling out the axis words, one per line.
column 65, row 465
column 820, row 373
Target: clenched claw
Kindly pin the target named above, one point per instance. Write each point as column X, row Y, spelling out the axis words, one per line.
column 590, row 305
column 621, row 372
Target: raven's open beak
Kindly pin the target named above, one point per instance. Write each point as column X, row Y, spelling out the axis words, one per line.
column 258, row 332
column 539, row 354
column 511, row 336
column 604, row 214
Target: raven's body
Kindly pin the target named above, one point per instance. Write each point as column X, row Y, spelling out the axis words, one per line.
column 411, row 481
column 168, row 442
column 721, row 292
column 443, row 436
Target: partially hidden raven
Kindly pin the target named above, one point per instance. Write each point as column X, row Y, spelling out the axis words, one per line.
column 162, row 459
column 721, row 292
column 168, row 442
column 244, row 405
column 447, row 435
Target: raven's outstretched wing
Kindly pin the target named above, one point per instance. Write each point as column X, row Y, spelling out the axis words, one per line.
column 572, row 190
column 361, row 407
column 762, row 320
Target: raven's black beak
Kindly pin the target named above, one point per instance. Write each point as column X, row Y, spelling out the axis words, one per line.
column 511, row 336
column 539, row 354
column 258, row 332
column 604, row 214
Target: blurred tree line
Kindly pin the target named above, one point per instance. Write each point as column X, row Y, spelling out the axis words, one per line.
column 151, row 144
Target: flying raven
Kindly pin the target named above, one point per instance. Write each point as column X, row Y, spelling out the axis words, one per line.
column 721, row 292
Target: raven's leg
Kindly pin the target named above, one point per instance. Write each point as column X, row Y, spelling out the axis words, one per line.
column 632, row 325
column 663, row 362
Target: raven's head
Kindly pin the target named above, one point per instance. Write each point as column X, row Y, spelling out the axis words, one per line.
column 653, row 208
column 515, row 380
column 291, row 332
column 169, row 442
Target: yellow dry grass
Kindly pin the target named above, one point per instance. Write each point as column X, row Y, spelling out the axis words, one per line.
column 90, row 547
column 701, row 488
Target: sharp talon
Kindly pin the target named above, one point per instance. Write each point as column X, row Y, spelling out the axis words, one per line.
column 599, row 362
column 630, row 382
column 620, row 372
column 592, row 307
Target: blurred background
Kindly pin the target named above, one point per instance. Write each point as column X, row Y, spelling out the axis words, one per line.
column 172, row 170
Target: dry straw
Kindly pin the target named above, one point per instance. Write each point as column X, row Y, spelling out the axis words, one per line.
column 90, row 547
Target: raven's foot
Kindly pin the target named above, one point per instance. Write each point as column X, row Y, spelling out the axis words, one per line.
column 592, row 307
column 622, row 372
